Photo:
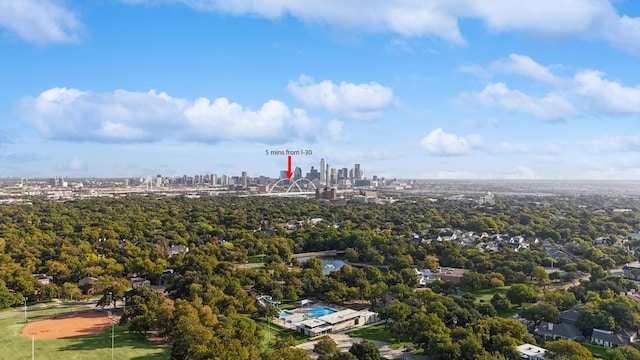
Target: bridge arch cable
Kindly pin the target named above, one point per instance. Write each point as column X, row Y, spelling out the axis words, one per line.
column 298, row 186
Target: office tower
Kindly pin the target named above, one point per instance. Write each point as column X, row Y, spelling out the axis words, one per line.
column 327, row 174
column 244, row 180
column 333, row 177
column 313, row 174
column 297, row 173
column 345, row 173
column 214, row 179
column 323, row 174
column 358, row 172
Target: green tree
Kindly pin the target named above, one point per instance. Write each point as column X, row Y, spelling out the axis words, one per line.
column 542, row 311
column 500, row 302
column 325, row 346
column 567, row 350
column 365, row 350
column 628, row 353
column 521, row 293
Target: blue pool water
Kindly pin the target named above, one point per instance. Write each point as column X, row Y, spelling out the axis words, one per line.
column 321, row 311
column 285, row 313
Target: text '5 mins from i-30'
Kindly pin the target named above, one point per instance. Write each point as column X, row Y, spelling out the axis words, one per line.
column 288, row 152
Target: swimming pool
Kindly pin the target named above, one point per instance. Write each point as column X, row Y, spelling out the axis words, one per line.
column 285, row 313
column 321, row 311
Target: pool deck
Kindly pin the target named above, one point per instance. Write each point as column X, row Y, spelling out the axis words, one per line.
column 304, row 314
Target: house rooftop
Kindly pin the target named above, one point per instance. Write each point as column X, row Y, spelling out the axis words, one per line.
column 340, row 316
column 530, row 350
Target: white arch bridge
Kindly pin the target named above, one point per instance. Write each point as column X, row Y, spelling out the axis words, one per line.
column 294, row 184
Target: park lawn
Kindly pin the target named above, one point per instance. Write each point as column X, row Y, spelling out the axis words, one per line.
column 598, row 351
column 271, row 331
column 514, row 310
column 376, row 332
column 127, row 345
column 381, row 333
column 485, row 295
column 257, row 259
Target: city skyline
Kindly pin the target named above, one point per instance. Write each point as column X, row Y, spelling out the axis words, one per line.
column 413, row 90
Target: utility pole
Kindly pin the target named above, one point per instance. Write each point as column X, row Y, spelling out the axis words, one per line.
column 112, row 323
column 33, row 348
column 25, row 310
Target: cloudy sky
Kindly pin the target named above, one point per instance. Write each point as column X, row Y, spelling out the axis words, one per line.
column 545, row 89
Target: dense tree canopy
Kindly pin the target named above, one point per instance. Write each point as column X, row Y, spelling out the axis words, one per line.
column 209, row 312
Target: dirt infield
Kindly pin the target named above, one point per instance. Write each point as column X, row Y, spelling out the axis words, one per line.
column 68, row 326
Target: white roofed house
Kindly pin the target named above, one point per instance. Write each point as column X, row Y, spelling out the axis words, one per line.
column 43, row 279
column 336, row 322
column 531, row 352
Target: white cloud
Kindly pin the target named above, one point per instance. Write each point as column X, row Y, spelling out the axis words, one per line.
column 125, row 116
column 525, row 66
column 591, row 19
column 498, row 95
column 438, row 142
column 77, row 165
column 521, row 172
column 588, row 91
column 616, row 143
column 335, row 128
column 356, row 101
column 222, row 120
column 513, row 147
column 606, row 96
column 40, row 21
column 476, row 70
column 455, row 175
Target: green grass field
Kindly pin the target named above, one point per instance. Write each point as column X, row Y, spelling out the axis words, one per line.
column 598, row 351
column 381, row 333
column 270, row 331
column 485, row 295
column 127, row 345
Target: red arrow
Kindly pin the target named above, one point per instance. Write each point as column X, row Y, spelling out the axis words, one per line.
column 289, row 173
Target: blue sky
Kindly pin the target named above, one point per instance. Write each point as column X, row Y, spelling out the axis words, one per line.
column 409, row 89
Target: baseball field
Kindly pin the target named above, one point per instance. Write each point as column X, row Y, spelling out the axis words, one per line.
column 75, row 335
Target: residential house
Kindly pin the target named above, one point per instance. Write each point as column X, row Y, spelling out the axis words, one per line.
column 609, row 339
column 531, row 352
column 631, row 271
column 43, row 279
column 177, row 249
column 558, row 331
column 570, row 316
column 450, row 274
column 87, row 280
column 566, row 329
column 137, row 282
column 86, row 284
column 425, row 277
